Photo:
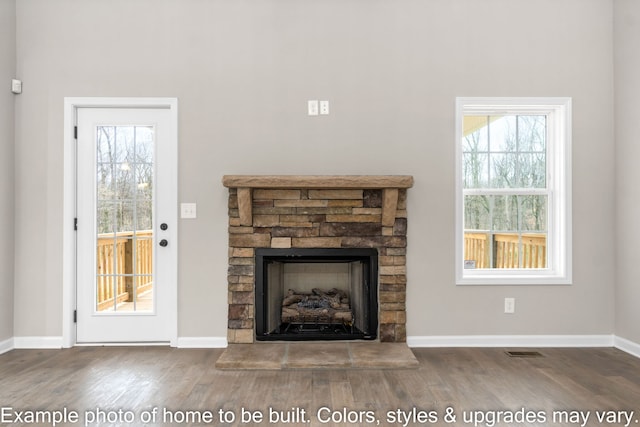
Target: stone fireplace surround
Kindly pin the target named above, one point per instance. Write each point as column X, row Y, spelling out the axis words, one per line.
column 317, row 211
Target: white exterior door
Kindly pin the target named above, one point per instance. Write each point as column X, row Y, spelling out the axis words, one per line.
column 126, row 224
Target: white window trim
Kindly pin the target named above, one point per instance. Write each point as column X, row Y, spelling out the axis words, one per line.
column 559, row 256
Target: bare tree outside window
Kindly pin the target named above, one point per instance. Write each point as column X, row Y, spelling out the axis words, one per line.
column 124, row 178
column 504, row 163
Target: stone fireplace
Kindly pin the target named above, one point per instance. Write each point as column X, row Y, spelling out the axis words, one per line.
column 315, row 213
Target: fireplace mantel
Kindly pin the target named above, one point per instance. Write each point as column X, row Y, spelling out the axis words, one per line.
column 318, row 181
column 317, row 212
column 388, row 183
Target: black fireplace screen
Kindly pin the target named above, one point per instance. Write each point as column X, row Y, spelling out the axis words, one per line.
column 316, row 294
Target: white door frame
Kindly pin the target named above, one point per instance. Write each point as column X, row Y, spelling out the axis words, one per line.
column 69, row 205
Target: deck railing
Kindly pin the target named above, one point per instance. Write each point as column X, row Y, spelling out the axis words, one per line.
column 506, row 250
column 117, row 270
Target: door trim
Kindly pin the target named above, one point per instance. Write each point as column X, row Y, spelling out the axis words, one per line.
column 71, row 105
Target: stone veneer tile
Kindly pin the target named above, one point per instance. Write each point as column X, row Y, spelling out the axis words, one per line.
column 335, row 194
column 255, row 240
column 238, row 311
column 240, row 270
column 387, row 332
column 240, row 336
column 266, row 220
column 391, row 297
column 302, row 218
column 345, row 203
column 316, row 242
column 297, row 224
column 240, row 230
column 242, row 252
column 372, row 198
column 396, row 251
column 392, row 306
column 265, row 194
column 281, row 242
column 240, row 261
column 393, row 270
column 319, row 203
column 295, row 231
column 400, row 227
column 354, row 218
column 367, row 211
column 349, row 229
column 392, row 260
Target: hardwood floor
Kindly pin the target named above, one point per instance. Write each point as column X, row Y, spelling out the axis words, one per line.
column 475, row 383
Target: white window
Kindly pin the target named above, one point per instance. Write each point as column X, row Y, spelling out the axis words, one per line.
column 513, row 191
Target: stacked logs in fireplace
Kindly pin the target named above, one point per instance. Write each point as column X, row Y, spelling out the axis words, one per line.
column 319, row 306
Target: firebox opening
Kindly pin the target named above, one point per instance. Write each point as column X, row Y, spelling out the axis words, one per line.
column 316, row 294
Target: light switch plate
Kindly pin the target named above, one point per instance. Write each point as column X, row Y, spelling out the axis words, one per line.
column 188, row 211
column 312, row 107
column 16, row 86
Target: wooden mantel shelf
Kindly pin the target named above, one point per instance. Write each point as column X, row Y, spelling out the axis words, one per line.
column 318, row 181
column 388, row 183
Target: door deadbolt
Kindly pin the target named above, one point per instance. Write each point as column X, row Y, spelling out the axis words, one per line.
column 163, row 226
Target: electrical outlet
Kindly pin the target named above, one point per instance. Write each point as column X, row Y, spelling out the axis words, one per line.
column 324, row 108
column 509, row 305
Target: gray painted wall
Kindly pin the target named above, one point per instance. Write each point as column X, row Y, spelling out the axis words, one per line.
column 627, row 70
column 7, row 72
column 243, row 71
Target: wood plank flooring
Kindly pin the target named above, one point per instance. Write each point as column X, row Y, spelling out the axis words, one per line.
column 473, row 382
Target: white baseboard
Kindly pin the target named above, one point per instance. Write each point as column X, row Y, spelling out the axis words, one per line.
column 6, row 345
column 202, row 342
column 512, row 341
column 124, row 344
column 627, row 346
column 412, row 341
column 56, row 342
column 37, row 342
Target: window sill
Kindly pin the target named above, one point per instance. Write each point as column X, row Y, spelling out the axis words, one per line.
column 521, row 278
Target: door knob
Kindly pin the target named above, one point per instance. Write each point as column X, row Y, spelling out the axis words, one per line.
column 163, row 242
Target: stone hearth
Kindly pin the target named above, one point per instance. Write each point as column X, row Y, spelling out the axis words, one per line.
column 317, row 212
column 317, row 355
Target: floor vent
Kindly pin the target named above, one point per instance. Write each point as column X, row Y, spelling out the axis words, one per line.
column 524, row 354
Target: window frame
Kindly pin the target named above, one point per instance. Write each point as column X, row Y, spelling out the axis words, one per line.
column 558, row 178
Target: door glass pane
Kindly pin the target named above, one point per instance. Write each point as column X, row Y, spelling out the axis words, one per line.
column 124, row 219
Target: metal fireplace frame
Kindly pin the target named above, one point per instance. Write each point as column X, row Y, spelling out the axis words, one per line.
column 265, row 256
